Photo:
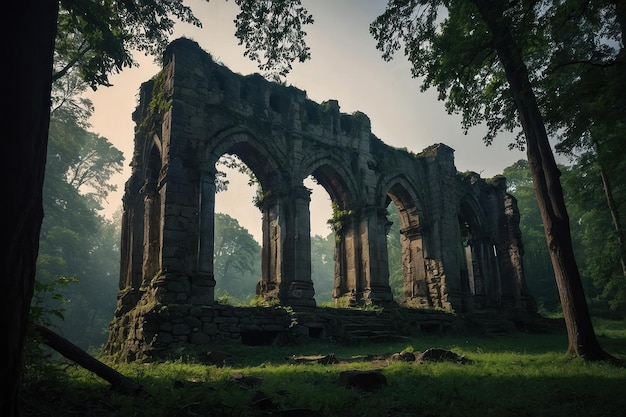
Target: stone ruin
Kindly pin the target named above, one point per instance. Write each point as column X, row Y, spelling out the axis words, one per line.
column 461, row 244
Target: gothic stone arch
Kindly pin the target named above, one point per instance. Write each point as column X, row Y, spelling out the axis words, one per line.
column 195, row 110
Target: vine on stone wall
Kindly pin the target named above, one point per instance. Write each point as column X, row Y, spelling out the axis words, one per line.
column 337, row 220
column 160, row 101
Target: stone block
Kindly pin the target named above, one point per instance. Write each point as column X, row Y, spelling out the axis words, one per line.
column 210, row 328
column 193, row 322
column 180, row 329
column 199, row 338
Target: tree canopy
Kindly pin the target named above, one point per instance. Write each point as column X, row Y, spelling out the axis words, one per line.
column 100, row 37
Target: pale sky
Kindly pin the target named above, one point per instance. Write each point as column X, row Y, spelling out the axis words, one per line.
column 345, row 66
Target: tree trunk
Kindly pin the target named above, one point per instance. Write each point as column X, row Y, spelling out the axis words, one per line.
column 582, row 340
column 27, row 66
column 69, row 350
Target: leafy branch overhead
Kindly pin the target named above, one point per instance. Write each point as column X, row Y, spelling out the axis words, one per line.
column 100, row 37
column 273, row 29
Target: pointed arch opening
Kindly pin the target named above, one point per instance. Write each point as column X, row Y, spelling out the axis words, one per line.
column 478, row 259
column 406, row 250
column 152, row 232
column 237, row 232
column 322, row 242
column 341, row 241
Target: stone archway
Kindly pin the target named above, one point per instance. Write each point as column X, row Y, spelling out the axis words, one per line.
column 420, row 289
column 194, row 111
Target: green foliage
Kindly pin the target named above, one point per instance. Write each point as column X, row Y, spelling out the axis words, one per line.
column 99, row 37
column 593, row 231
column 74, row 240
column 293, row 320
column 159, row 101
column 237, row 259
column 223, row 297
column 275, row 30
column 232, row 161
column 49, row 301
column 339, row 216
column 394, row 255
column 340, row 302
column 323, row 267
column 584, row 79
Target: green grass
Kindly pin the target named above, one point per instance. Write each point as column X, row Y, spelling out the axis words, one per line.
column 525, row 375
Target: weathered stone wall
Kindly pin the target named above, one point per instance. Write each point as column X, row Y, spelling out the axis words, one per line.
column 169, row 330
column 155, row 332
column 461, row 250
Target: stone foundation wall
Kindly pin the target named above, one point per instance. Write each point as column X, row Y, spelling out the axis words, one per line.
column 156, row 332
column 162, row 332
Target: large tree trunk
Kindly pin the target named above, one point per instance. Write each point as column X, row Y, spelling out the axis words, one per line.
column 582, row 340
column 28, row 33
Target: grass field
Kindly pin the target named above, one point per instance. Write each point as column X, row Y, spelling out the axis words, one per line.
column 523, row 375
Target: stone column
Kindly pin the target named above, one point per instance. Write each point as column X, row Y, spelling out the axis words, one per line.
column 347, row 271
column 373, row 259
column 515, row 247
column 131, row 248
column 126, row 243
column 416, row 290
column 514, row 252
column 269, row 282
column 132, row 252
column 340, row 287
column 203, row 283
column 296, row 285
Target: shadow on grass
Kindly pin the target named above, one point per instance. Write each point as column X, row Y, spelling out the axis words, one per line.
column 525, row 375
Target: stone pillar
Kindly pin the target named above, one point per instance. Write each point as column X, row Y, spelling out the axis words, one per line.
column 126, row 243
column 347, row 271
column 296, row 286
column 516, row 253
column 416, row 289
column 340, row 287
column 131, row 249
column 443, row 261
column 269, row 282
column 203, row 283
column 373, row 256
